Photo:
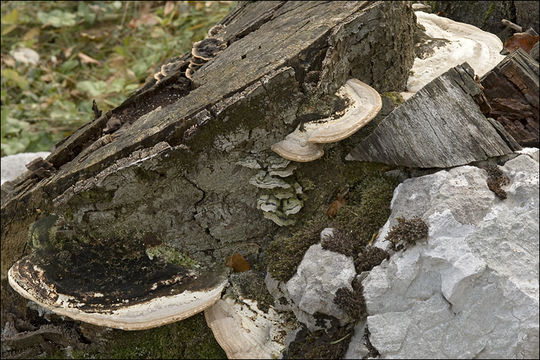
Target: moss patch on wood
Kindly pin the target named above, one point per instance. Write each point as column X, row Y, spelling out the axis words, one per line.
column 187, row 339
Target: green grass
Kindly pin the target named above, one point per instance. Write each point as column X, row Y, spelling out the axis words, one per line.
column 100, row 50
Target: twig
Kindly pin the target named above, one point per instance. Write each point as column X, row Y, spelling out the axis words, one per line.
column 511, row 25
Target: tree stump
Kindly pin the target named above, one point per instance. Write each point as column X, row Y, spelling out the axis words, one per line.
column 440, row 126
column 174, row 165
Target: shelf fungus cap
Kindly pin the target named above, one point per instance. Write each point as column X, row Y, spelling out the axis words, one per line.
column 245, row 332
column 303, row 145
column 169, row 303
column 208, row 48
column 296, row 148
column 365, row 104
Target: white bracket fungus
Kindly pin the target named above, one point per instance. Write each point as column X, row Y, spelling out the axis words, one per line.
column 29, row 281
column 465, row 43
column 245, row 332
column 304, row 145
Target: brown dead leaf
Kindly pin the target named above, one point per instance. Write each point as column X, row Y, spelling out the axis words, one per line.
column 46, row 77
column 87, row 59
column 67, row 52
column 332, row 210
column 169, row 7
column 8, row 60
column 145, row 19
column 238, row 263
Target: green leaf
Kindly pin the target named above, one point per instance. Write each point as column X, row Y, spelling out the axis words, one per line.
column 13, row 77
column 117, row 85
column 67, row 66
column 11, row 17
column 57, row 18
column 84, row 12
column 92, row 88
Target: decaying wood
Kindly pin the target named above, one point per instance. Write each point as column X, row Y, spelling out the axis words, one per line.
column 440, row 126
column 511, row 90
column 172, row 171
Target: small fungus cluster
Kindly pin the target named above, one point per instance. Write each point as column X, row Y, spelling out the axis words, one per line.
column 205, row 50
column 407, row 232
column 201, row 52
column 280, row 195
column 496, row 179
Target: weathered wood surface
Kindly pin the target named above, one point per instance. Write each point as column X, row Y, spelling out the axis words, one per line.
column 511, row 90
column 440, row 126
column 172, row 171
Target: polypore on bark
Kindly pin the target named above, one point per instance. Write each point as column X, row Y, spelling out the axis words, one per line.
column 464, row 43
column 303, row 145
column 164, row 300
column 245, row 332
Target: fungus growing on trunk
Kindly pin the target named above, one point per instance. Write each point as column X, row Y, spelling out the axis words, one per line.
column 303, row 145
column 463, row 43
column 245, row 332
column 141, row 300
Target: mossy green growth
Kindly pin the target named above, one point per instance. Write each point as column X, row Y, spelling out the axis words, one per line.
column 285, row 253
column 170, row 255
column 188, row 339
column 396, row 97
column 488, row 14
column 374, row 195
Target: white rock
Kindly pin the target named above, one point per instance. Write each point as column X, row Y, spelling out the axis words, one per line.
column 312, row 289
column 357, row 347
column 14, row 165
column 470, row 289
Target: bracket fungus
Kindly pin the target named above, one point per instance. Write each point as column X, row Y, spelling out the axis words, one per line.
column 245, row 332
column 303, row 145
column 462, row 43
column 108, row 284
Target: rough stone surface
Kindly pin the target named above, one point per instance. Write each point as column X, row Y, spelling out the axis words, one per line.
column 14, row 165
column 439, row 126
column 471, row 289
column 315, row 283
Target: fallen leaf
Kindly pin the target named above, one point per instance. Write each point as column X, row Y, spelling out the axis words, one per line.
column 145, row 19
column 67, row 52
column 521, row 40
column 169, row 6
column 87, row 59
column 335, row 206
column 238, row 263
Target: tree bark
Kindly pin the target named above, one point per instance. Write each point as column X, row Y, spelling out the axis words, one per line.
column 440, row 126
column 511, row 90
column 172, row 170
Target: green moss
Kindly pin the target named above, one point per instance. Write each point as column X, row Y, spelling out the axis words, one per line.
column 322, row 344
column 170, row 255
column 396, row 97
column 187, row 339
column 374, row 195
column 407, row 232
column 352, row 302
column 488, row 14
column 285, row 253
